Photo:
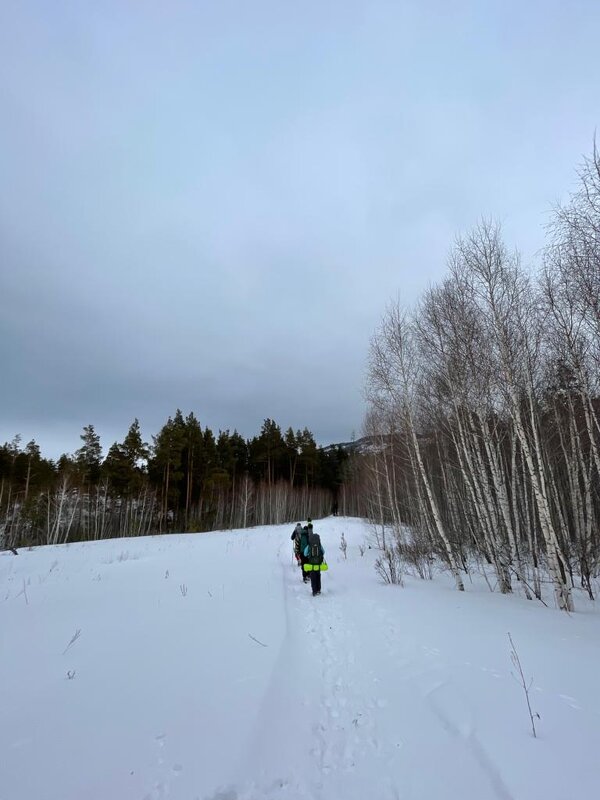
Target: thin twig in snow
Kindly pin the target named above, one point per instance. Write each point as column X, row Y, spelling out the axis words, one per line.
column 524, row 582
column 74, row 638
column 514, row 656
column 262, row 644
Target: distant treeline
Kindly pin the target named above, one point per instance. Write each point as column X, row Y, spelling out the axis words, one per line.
column 188, row 479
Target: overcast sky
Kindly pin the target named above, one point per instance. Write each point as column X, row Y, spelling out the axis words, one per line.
column 208, row 205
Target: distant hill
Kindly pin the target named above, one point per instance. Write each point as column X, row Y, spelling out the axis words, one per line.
column 366, row 444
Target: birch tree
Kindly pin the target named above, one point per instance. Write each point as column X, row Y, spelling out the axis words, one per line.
column 392, row 380
column 491, row 276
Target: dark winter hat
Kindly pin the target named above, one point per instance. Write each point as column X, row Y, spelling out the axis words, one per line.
column 309, row 525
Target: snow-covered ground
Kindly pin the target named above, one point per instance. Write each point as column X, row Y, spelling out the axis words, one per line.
column 199, row 666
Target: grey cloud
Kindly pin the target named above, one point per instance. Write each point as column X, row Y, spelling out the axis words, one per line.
column 209, row 205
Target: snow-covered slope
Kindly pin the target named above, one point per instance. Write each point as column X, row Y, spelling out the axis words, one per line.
column 201, row 667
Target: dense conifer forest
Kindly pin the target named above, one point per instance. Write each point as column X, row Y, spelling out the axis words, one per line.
column 186, row 479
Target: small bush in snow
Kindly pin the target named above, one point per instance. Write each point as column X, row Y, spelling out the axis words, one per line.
column 344, row 545
column 361, row 549
column 389, row 567
column 183, row 589
column 70, row 674
column 417, row 554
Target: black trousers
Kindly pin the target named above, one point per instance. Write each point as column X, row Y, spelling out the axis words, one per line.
column 302, row 563
column 315, row 580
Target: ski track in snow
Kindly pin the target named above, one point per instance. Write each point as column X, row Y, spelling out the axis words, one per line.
column 345, row 731
column 346, row 743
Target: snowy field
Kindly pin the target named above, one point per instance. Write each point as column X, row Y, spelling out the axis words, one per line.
column 200, row 667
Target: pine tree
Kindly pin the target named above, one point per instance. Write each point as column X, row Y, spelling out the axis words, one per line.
column 33, row 459
column 89, row 456
column 291, row 447
column 309, row 457
column 134, row 448
column 192, row 458
column 116, row 469
column 268, row 452
column 165, row 464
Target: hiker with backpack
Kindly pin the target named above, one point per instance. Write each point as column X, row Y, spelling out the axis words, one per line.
column 295, row 537
column 303, row 545
column 314, row 555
